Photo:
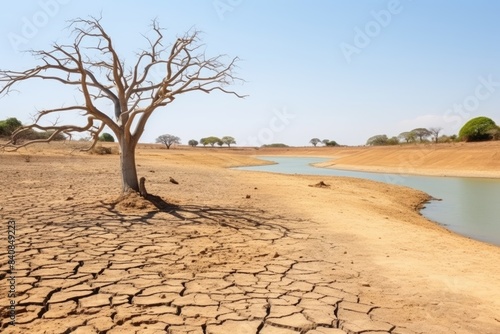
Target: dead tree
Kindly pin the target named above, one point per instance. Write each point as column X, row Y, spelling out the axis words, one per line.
column 92, row 64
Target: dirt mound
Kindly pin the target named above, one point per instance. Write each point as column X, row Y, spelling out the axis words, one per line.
column 320, row 184
column 131, row 201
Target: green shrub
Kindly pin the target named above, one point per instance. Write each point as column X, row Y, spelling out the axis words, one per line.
column 107, row 137
column 331, row 143
column 275, row 145
column 477, row 129
column 9, row 125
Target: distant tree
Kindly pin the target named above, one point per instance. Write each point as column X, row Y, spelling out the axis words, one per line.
column 193, row 143
column 107, row 137
column 408, row 136
column 168, row 140
column 477, row 129
column 315, row 141
column 377, row 140
column 220, row 143
column 228, row 140
column 421, row 133
column 444, row 139
column 447, row 139
column 9, row 125
column 325, row 141
column 392, row 141
column 212, row 140
column 330, row 143
column 435, row 133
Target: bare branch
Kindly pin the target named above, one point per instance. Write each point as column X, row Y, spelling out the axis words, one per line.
column 13, row 144
column 91, row 64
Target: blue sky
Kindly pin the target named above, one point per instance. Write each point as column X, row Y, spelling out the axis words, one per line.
column 342, row 70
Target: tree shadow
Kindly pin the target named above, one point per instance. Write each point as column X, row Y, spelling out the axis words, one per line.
column 231, row 217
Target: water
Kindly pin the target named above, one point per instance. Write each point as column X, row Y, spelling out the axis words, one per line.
column 468, row 206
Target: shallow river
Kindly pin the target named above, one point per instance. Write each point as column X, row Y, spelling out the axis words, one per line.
column 468, row 206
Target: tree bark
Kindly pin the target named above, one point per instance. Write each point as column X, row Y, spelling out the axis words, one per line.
column 127, row 166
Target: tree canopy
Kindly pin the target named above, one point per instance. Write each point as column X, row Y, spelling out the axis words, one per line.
column 377, row 140
column 421, row 133
column 228, row 140
column 315, row 141
column 408, row 136
column 168, row 140
column 478, row 129
column 212, row 140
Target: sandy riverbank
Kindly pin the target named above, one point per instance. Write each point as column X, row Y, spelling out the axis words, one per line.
column 456, row 159
column 235, row 251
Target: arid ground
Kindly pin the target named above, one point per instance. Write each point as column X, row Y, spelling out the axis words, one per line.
column 231, row 251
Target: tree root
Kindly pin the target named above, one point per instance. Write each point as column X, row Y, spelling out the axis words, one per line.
column 142, row 187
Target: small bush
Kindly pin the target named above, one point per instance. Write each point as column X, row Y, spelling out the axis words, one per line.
column 101, row 150
column 8, row 126
column 331, row 143
column 275, row 145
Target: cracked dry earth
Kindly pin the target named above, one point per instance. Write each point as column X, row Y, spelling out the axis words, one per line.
column 84, row 266
column 100, row 274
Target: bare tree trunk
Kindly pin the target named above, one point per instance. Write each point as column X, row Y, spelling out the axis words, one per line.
column 127, row 166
